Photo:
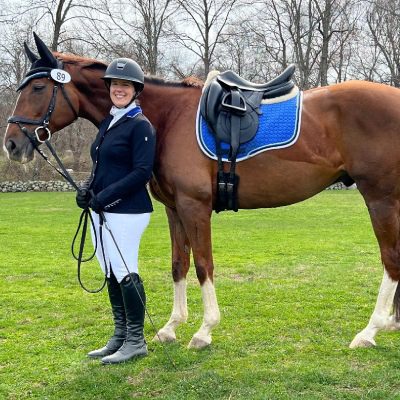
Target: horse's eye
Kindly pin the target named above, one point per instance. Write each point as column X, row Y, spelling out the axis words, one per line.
column 38, row 88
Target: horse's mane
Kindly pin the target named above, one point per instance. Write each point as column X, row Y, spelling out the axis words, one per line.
column 85, row 62
column 190, row 81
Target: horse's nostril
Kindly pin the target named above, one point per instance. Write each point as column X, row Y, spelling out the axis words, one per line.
column 10, row 145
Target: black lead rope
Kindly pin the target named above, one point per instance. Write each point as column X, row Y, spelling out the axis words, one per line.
column 83, row 222
column 61, row 170
column 85, row 215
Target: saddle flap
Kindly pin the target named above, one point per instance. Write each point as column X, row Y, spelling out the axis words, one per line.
column 248, row 127
column 217, row 111
column 210, row 102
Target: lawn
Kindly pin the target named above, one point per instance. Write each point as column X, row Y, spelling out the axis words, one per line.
column 294, row 284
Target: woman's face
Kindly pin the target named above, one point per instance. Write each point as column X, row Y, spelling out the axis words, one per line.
column 121, row 92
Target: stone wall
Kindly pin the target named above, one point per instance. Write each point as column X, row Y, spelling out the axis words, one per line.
column 35, row 186
column 61, row 186
column 341, row 186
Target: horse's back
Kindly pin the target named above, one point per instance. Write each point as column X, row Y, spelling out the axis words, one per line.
column 349, row 128
column 367, row 133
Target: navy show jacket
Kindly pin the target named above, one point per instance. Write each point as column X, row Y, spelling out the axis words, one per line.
column 123, row 158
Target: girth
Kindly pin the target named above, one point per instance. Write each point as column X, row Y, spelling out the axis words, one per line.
column 231, row 107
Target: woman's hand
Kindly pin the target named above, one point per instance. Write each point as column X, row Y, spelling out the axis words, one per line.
column 95, row 205
column 83, row 198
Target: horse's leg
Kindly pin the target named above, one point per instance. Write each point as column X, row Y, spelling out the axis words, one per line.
column 196, row 218
column 380, row 318
column 385, row 219
column 180, row 266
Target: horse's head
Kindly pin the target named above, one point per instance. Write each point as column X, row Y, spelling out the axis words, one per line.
column 41, row 92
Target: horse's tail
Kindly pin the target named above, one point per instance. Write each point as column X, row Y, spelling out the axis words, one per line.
column 396, row 303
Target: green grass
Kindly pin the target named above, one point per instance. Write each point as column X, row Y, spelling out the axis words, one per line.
column 294, row 285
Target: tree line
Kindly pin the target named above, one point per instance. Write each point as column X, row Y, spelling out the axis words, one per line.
column 330, row 41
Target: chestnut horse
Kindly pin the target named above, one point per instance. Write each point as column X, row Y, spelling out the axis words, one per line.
column 351, row 128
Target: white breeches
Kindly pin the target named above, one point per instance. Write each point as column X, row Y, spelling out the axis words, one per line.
column 127, row 230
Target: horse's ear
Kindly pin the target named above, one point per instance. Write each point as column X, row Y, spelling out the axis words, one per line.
column 43, row 50
column 31, row 55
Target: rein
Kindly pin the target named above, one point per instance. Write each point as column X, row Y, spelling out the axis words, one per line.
column 36, row 141
column 85, row 215
column 83, row 222
column 83, row 219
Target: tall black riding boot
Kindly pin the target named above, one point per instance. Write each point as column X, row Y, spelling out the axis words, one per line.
column 135, row 301
column 118, row 310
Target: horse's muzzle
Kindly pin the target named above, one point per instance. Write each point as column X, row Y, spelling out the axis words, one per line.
column 21, row 152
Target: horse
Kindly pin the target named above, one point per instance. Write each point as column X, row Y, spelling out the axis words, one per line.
column 347, row 129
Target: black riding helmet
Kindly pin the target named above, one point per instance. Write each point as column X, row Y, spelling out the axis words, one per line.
column 126, row 69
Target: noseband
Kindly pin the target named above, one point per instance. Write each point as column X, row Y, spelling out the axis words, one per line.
column 34, row 136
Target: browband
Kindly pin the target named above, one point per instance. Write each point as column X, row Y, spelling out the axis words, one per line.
column 28, row 78
column 35, row 73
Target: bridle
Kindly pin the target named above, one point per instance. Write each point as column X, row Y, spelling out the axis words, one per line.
column 43, row 123
column 36, row 141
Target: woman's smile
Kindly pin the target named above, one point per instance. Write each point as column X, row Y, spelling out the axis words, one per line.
column 121, row 92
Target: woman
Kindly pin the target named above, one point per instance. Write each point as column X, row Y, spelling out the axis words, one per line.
column 123, row 155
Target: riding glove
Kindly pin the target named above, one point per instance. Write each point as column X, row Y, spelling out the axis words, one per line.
column 95, row 205
column 83, row 198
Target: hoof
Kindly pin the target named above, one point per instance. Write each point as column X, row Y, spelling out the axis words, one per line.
column 164, row 337
column 359, row 341
column 199, row 343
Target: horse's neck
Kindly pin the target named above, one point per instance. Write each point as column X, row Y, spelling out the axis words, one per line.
column 94, row 99
column 95, row 106
column 163, row 104
column 157, row 100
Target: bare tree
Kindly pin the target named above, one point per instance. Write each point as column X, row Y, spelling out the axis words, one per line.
column 59, row 17
column 130, row 29
column 335, row 22
column 383, row 20
column 269, row 33
column 236, row 53
column 366, row 57
column 14, row 64
column 200, row 27
column 55, row 14
column 5, row 15
column 308, row 33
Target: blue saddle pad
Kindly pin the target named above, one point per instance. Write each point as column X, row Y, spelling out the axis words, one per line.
column 279, row 126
